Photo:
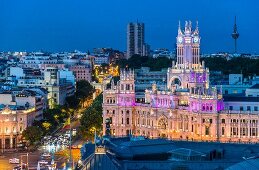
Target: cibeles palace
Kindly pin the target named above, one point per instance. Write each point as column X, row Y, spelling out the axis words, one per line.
column 187, row 109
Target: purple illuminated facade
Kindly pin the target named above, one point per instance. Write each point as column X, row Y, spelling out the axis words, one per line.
column 188, row 109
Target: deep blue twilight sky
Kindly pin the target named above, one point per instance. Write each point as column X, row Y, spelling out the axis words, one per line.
column 65, row 25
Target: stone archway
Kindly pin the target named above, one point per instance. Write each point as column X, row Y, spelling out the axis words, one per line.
column 174, row 82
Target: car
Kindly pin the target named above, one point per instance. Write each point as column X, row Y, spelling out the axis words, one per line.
column 14, row 161
column 43, row 162
column 46, row 155
column 18, row 167
column 74, row 147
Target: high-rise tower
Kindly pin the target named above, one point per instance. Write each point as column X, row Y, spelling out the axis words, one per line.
column 235, row 35
column 135, row 39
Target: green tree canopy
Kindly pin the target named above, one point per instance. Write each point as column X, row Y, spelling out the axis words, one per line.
column 32, row 134
column 137, row 61
column 92, row 118
column 248, row 66
column 83, row 90
column 237, row 65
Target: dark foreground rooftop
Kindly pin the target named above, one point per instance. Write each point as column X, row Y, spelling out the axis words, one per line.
column 179, row 155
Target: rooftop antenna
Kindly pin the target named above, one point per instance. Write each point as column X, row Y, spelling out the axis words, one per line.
column 235, row 35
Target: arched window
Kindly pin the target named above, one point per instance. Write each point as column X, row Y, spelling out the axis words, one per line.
column 162, row 123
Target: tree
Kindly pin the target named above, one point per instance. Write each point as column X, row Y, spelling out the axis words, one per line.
column 46, row 126
column 92, row 118
column 32, row 134
column 137, row 61
column 84, row 90
column 72, row 101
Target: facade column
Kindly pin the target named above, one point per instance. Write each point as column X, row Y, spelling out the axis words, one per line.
column 124, row 122
column 3, row 143
column 183, row 124
column 249, row 126
column 239, row 128
column 228, row 128
column 11, row 141
column 216, row 127
column 130, row 120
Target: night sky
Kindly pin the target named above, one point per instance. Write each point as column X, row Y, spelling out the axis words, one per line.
column 66, row 25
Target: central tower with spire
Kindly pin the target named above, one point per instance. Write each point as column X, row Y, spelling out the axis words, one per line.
column 188, row 72
column 188, row 46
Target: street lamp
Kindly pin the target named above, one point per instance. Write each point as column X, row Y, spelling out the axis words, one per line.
column 27, row 164
column 93, row 128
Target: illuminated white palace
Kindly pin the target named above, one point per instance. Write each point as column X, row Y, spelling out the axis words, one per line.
column 187, row 109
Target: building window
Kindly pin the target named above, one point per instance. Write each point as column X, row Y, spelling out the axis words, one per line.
column 254, row 132
column 226, row 91
column 127, row 121
column 222, row 120
column 230, row 107
column 255, row 108
column 241, row 108
column 113, row 112
column 223, row 131
column 210, row 120
column 111, row 120
column 207, row 130
column 248, row 108
column 127, row 87
column 121, row 120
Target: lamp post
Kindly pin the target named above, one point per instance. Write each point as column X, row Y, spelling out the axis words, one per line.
column 93, row 128
column 27, row 164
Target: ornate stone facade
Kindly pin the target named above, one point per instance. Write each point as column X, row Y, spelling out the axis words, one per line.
column 188, row 109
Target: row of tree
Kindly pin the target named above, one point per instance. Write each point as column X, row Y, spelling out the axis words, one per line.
column 245, row 65
column 236, row 65
column 84, row 91
column 57, row 116
column 137, row 61
column 91, row 119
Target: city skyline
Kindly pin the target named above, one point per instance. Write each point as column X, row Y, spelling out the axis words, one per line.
column 54, row 26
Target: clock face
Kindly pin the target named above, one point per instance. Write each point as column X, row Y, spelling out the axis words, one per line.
column 180, row 39
column 196, row 39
